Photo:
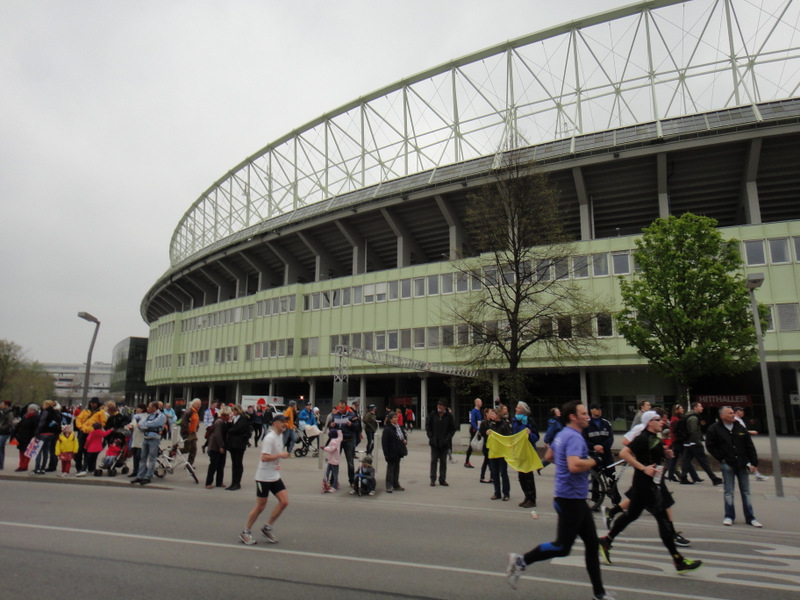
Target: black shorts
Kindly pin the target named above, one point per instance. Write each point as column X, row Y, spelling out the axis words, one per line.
column 263, row 488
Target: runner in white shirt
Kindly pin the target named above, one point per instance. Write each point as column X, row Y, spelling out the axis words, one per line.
column 268, row 479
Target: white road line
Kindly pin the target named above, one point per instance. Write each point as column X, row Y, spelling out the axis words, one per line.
column 354, row 559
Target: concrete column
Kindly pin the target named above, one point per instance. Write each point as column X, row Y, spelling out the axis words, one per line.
column 312, row 392
column 584, row 393
column 423, row 399
column 495, row 387
column 362, row 390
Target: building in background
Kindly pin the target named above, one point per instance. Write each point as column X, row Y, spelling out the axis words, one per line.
column 69, row 378
column 129, row 358
column 344, row 231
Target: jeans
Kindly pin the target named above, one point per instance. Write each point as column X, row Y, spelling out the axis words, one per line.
column 499, row 470
column 216, row 467
column 729, row 476
column 332, row 475
column 698, row 453
column 439, row 457
column 349, row 449
column 43, row 458
column 288, row 440
column 3, row 440
column 392, row 474
column 148, row 458
column 370, row 442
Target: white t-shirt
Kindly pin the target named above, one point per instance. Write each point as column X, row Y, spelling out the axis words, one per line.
column 270, row 470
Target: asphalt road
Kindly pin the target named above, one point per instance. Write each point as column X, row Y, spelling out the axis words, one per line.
column 92, row 538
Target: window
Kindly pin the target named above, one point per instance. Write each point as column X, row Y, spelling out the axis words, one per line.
column 476, row 282
column 356, row 340
column 447, row 283
column 334, row 343
column 562, row 268
column 543, row 270
column 433, row 285
column 447, row 335
column 583, row 326
column 380, row 292
column 621, row 263
column 564, row 327
column 779, row 251
column 405, row 339
column 419, row 337
column 490, row 276
column 419, row 287
column 788, row 316
column 392, row 338
column 462, row 281
column 477, row 335
column 599, row 265
column 369, row 293
column 770, row 320
column 796, row 241
column 545, row 327
column 433, row 337
column 315, row 299
column 509, row 276
column 326, row 300
column 463, row 335
column 346, row 296
column 368, row 340
column 380, row 340
column 344, row 339
column 394, row 290
column 405, row 288
column 281, row 347
column 605, row 325
column 580, row 266
column 273, row 348
column 357, row 294
column 754, row 252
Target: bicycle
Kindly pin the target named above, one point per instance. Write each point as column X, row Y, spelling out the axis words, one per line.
column 603, row 483
column 168, row 462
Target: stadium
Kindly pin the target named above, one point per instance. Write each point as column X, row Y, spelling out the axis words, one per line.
column 344, row 232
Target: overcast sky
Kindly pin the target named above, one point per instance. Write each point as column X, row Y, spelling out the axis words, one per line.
column 116, row 116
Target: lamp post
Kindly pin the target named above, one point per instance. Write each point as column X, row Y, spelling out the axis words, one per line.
column 754, row 281
column 92, row 319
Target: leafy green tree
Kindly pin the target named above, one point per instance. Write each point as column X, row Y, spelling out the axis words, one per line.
column 22, row 381
column 528, row 306
column 687, row 309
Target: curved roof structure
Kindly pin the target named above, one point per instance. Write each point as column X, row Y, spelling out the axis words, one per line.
column 649, row 72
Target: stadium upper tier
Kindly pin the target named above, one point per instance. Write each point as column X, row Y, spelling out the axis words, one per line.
column 618, row 100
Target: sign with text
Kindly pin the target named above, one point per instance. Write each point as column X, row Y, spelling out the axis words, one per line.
column 725, row 399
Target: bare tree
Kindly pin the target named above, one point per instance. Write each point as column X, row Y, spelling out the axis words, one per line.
column 524, row 304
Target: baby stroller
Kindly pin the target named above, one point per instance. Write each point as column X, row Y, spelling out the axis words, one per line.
column 119, row 436
column 307, row 435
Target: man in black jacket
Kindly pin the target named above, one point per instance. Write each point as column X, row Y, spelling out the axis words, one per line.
column 441, row 428
column 730, row 444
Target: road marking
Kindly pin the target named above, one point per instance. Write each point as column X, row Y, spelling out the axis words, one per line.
column 372, row 561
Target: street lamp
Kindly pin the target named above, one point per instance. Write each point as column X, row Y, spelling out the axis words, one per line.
column 92, row 319
column 754, row 281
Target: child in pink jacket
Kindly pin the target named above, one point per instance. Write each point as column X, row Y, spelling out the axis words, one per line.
column 331, row 482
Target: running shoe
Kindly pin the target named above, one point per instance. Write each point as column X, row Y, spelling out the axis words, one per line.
column 604, row 596
column 267, row 531
column 247, row 538
column 514, row 568
column 760, row 477
column 727, row 521
column 681, row 541
column 685, row 565
column 605, row 549
column 755, row 523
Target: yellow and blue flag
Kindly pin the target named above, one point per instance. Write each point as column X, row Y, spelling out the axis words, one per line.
column 516, row 449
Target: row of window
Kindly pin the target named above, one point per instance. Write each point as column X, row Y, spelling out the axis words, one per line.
column 163, row 330
column 782, row 317
column 779, row 251
column 598, row 265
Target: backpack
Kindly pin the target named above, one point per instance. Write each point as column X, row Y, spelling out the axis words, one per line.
column 209, row 431
column 680, row 432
